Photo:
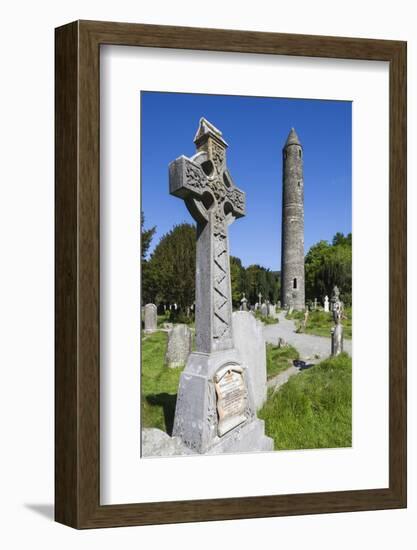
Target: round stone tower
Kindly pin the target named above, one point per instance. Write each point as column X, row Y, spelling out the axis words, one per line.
column 292, row 246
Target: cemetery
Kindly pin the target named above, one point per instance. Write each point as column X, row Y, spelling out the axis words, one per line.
column 243, row 359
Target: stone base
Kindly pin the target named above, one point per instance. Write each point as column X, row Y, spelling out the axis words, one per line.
column 247, row 439
column 251, row 438
column 155, row 442
column 196, row 416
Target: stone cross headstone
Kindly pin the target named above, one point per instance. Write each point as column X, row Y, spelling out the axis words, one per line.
column 150, row 317
column 215, row 411
column 179, row 346
column 244, row 303
column 337, row 330
column 250, row 343
column 326, row 304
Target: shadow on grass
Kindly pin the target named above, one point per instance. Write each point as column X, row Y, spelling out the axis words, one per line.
column 167, row 401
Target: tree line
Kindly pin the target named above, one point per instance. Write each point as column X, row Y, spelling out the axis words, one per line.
column 328, row 265
column 168, row 275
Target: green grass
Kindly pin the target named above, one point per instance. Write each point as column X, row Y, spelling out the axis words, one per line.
column 320, row 323
column 265, row 320
column 161, row 319
column 314, row 409
column 279, row 359
column 159, row 384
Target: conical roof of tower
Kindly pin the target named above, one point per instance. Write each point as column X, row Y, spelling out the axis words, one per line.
column 292, row 138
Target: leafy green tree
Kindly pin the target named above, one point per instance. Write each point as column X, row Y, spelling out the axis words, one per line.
column 170, row 276
column 146, row 237
column 327, row 265
column 236, row 280
column 261, row 280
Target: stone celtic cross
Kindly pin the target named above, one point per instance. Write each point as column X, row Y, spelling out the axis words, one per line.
column 204, row 183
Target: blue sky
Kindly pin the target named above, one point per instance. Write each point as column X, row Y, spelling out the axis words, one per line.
column 255, row 129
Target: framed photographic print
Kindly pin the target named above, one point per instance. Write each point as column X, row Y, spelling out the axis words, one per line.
column 230, row 274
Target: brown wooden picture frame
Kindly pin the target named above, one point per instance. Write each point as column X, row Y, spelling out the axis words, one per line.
column 77, row 371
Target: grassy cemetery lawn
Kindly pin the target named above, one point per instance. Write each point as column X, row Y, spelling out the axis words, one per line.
column 168, row 318
column 279, row 359
column 320, row 323
column 266, row 320
column 159, row 383
column 314, row 409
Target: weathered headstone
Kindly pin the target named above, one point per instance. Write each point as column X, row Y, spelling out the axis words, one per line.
column 244, row 303
column 179, row 346
column 250, row 343
column 326, row 304
column 256, row 306
column 215, row 410
column 282, row 343
column 337, row 330
column 272, row 311
column 149, row 316
column 305, row 318
column 279, row 304
column 315, row 304
column 264, row 310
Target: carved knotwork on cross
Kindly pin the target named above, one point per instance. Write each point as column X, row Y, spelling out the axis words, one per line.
column 204, row 183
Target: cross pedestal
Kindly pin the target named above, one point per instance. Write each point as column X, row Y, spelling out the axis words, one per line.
column 214, row 411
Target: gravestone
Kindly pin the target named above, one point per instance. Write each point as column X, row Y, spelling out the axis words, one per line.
column 264, row 310
column 179, row 346
column 306, row 313
column 326, row 304
column 250, row 343
column 279, row 304
column 337, row 330
column 315, row 304
column 256, row 306
column 244, row 303
column 272, row 311
column 215, row 410
column 149, row 316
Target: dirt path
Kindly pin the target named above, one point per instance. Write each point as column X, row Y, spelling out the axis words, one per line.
column 311, row 348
